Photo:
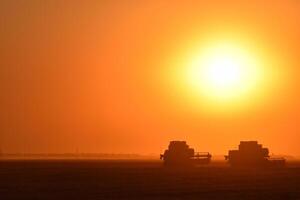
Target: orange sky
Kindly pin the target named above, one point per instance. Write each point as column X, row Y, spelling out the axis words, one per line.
column 94, row 75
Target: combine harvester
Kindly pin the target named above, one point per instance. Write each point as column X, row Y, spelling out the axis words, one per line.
column 179, row 154
column 252, row 154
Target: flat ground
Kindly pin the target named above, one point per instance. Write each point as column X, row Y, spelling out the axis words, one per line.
column 124, row 179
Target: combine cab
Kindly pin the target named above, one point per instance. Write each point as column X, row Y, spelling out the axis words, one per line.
column 252, row 154
column 179, row 154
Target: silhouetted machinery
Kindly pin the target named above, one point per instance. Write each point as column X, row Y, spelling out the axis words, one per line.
column 252, row 154
column 179, row 154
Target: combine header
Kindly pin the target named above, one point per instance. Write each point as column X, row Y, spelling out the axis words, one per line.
column 252, row 154
column 179, row 154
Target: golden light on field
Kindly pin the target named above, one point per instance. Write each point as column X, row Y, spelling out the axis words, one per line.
column 224, row 72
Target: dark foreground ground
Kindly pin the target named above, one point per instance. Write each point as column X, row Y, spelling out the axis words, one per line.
column 70, row 180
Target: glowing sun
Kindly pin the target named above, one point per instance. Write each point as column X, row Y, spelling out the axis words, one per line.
column 224, row 72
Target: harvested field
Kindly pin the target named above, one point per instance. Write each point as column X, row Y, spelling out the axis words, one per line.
column 137, row 179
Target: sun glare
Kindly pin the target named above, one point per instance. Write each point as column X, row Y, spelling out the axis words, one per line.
column 224, row 73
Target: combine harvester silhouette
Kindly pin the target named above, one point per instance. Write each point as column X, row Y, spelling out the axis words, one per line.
column 249, row 154
column 252, row 154
column 180, row 154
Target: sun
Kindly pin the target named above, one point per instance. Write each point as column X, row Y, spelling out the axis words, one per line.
column 224, row 72
column 225, row 75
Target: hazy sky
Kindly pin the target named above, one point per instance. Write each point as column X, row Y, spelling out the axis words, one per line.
column 93, row 75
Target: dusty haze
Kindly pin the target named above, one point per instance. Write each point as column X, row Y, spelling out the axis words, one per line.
column 90, row 76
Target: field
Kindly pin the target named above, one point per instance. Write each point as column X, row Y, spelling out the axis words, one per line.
column 142, row 179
